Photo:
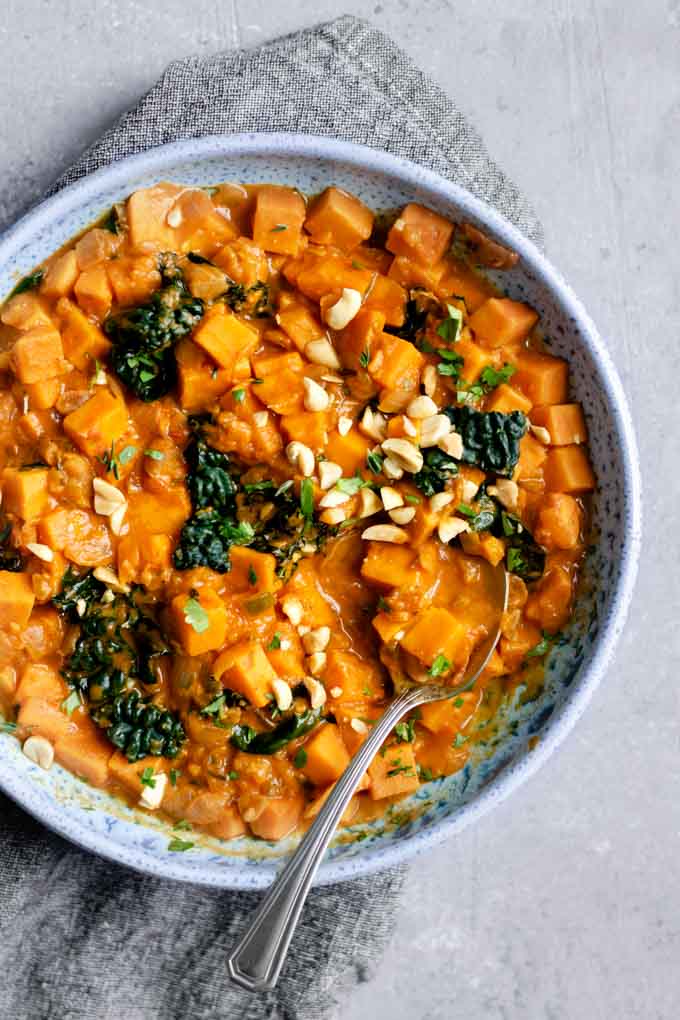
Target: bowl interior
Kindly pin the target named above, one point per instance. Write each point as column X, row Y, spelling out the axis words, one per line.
column 92, row 818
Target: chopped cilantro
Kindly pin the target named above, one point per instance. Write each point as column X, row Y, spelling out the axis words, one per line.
column 70, row 704
column 215, row 707
column 383, row 605
column 375, row 461
column 440, row 665
column 252, row 576
column 307, row 497
column 406, row 731
column 300, row 759
column 364, row 359
column 196, row 616
column 425, row 773
column 128, row 452
column 183, row 825
column 174, row 775
column 412, row 499
column 154, row 454
column 180, row 845
column 233, row 775
column 459, row 741
column 490, row 377
column 275, row 642
column 146, row 777
column 449, row 329
column 8, row 727
column 278, row 228
column 350, row 486
column 239, row 395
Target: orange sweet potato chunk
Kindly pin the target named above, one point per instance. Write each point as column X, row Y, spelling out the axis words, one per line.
column 421, row 234
column 40, row 681
column 147, row 212
column 93, row 292
column 24, row 492
column 38, row 354
column 558, row 521
column 245, row 668
column 395, row 363
column 567, row 469
column 271, row 818
column 85, row 752
column 388, row 566
column 389, row 297
column 225, row 337
column 61, row 275
column 564, row 422
column 500, row 322
column 542, row 377
column 340, row 219
column 134, row 278
column 438, row 632
column 506, row 398
column 356, row 679
column 327, row 756
column 84, row 342
column 199, row 621
column 278, row 218
column 81, row 536
column 16, row 598
column 356, row 341
column 251, row 571
column 40, row 718
column 349, row 451
column 97, row 423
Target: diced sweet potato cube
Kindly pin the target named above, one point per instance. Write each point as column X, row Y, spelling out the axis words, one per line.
column 200, row 381
column 225, row 337
column 500, row 322
column 308, row 427
column 320, row 275
column 43, row 395
column 358, row 679
column 394, row 773
column 243, row 261
column 251, row 570
column 438, row 632
column 451, row 715
column 16, row 598
column 204, row 281
column 144, row 558
column 24, row 493
column 38, row 354
column 96, row 246
column 420, row 233
column 159, row 514
column 389, row 297
column 532, row 457
column 199, row 621
column 506, row 398
column 271, row 818
column 304, row 586
column 413, row 275
column 97, row 423
column 476, row 359
column 245, row 668
column 558, row 521
column 86, row 753
column 299, row 323
column 549, row 604
column 387, row 627
column 129, row 773
column 286, row 653
column 349, row 451
column 229, row 825
column 134, row 278
column 147, row 212
column 40, row 681
column 567, row 469
column 278, row 218
column 542, row 377
column 93, row 292
column 356, row 341
column 327, row 756
column 564, row 422
column 82, row 537
column 484, row 544
column 388, row 566
column 25, row 311
column 349, row 814
column 61, row 276
column 340, row 219
column 395, row 363
column 201, row 227
column 40, row 718
column 84, row 342
column 282, row 388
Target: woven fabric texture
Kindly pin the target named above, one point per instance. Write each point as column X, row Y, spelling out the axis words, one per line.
column 83, row 939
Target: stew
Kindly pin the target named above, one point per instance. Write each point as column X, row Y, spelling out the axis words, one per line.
column 255, row 451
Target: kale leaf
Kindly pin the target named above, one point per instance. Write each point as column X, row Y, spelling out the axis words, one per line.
column 10, row 558
column 415, row 318
column 268, row 742
column 139, row 728
column 143, row 337
column 29, row 282
column 206, row 539
column 78, row 590
column 523, row 555
column 210, row 483
column 437, row 469
column 490, row 438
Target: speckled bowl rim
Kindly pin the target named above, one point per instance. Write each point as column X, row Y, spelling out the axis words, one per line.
column 414, row 177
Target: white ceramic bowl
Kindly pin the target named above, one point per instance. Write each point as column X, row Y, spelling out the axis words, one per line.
column 96, row 821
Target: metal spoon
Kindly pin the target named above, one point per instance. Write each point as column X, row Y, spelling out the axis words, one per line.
column 256, row 960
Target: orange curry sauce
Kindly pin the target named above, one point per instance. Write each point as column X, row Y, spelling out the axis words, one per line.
column 318, row 353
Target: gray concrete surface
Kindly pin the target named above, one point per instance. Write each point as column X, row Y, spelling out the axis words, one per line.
column 564, row 904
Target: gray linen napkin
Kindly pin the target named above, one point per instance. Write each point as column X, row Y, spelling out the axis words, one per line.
column 83, row 939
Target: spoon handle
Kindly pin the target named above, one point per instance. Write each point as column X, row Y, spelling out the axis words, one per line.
column 256, row 961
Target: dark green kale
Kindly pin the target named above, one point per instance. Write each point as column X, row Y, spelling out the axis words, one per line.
column 10, row 558
column 285, row 525
column 209, row 481
column 436, row 471
column 139, row 728
column 490, row 438
column 415, row 318
column 78, row 590
column 119, row 649
column 206, row 540
column 523, row 555
column 144, row 337
column 29, row 282
column 246, row 739
column 253, row 300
